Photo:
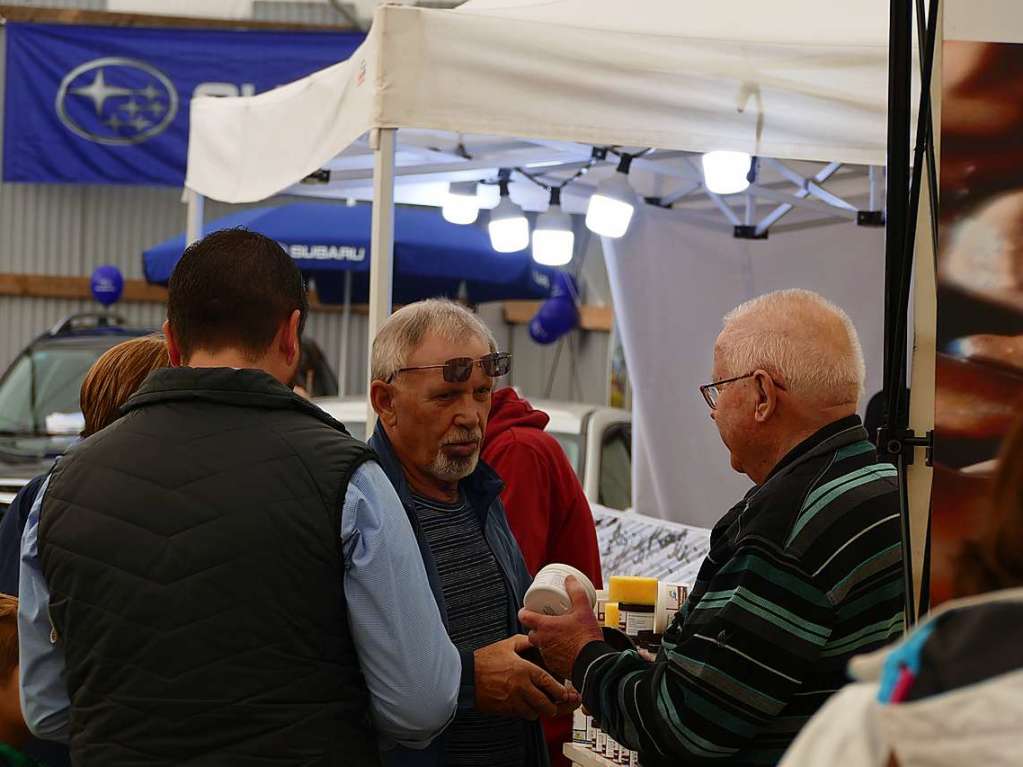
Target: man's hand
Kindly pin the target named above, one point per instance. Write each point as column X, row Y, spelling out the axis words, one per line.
column 512, row 686
column 561, row 638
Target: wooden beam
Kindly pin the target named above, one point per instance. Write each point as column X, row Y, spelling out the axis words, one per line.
column 55, row 286
column 599, row 318
column 135, row 291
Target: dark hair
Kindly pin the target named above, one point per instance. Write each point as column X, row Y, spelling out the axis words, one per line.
column 995, row 560
column 233, row 289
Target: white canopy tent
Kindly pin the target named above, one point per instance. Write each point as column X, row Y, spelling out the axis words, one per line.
column 535, row 84
column 790, row 79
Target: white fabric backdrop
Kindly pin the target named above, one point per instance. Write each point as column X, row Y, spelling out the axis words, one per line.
column 672, row 282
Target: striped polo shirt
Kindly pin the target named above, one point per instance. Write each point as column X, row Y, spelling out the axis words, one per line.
column 476, row 597
column 802, row 574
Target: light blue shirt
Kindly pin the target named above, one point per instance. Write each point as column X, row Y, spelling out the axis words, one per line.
column 411, row 668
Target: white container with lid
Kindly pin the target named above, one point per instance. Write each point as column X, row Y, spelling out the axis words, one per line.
column 548, row 595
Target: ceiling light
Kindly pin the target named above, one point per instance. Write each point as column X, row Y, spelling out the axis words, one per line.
column 462, row 206
column 613, row 205
column 726, row 172
column 508, row 226
column 553, row 238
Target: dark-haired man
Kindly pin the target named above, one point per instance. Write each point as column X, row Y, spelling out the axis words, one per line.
column 224, row 576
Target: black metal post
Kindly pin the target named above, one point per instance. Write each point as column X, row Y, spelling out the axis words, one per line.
column 900, row 72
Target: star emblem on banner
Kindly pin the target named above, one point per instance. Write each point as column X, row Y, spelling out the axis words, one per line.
column 98, row 92
column 117, row 101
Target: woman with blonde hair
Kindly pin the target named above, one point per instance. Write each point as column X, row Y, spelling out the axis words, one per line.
column 110, row 382
column 951, row 693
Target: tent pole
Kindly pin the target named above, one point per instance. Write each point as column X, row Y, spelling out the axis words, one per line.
column 381, row 271
column 346, row 321
column 900, row 59
column 896, row 440
column 195, row 214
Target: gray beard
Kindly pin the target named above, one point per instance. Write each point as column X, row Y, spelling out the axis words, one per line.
column 453, row 469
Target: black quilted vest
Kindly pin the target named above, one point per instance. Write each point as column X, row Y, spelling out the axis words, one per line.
column 193, row 556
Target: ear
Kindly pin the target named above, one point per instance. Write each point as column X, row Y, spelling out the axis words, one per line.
column 382, row 396
column 173, row 351
column 288, row 343
column 767, row 396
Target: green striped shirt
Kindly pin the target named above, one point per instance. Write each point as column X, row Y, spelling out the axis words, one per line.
column 803, row 573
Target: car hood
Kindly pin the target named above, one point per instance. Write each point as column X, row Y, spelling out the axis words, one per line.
column 25, row 457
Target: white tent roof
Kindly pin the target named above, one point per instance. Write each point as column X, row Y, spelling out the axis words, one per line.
column 799, row 79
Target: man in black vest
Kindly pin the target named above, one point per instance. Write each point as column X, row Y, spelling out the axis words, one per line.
column 224, row 576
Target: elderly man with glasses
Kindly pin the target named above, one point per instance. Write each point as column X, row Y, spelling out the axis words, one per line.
column 434, row 367
column 803, row 573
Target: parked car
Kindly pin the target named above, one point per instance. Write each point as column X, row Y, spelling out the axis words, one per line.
column 39, row 412
column 40, row 416
column 597, row 441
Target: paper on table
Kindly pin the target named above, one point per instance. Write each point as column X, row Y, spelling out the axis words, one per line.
column 631, row 544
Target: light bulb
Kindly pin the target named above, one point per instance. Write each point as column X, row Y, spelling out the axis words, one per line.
column 462, row 205
column 726, row 172
column 611, row 207
column 553, row 238
column 508, row 227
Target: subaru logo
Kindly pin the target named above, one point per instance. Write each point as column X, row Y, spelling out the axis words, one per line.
column 116, row 101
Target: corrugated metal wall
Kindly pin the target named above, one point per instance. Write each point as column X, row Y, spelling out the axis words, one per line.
column 314, row 12
column 86, row 5
column 70, row 230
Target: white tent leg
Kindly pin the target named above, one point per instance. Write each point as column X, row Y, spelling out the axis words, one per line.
column 346, row 322
column 196, row 211
column 381, row 269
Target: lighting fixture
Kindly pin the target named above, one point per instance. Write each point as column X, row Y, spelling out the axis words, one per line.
column 726, row 172
column 613, row 205
column 508, row 226
column 462, row 206
column 553, row 238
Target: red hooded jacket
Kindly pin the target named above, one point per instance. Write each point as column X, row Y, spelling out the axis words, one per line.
column 546, row 508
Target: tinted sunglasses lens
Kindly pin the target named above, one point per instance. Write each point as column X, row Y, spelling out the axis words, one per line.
column 458, row 370
column 496, row 365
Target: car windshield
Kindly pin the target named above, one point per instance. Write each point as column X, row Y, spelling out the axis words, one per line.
column 40, row 393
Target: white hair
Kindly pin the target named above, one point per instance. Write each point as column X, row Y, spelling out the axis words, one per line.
column 406, row 328
column 800, row 337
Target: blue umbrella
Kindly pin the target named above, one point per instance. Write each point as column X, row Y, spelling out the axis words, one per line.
column 431, row 257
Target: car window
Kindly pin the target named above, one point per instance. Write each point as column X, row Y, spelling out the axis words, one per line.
column 51, row 378
column 615, row 485
column 570, row 444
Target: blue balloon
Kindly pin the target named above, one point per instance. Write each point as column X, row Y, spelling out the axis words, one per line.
column 559, row 314
column 107, row 285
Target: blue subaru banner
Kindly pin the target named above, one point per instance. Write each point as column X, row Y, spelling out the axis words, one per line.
column 109, row 105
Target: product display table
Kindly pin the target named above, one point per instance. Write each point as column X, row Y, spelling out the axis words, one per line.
column 583, row 757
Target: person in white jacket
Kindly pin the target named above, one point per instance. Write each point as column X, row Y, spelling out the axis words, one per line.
column 951, row 693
